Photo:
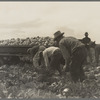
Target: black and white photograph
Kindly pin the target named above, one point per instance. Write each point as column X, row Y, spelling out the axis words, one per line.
column 49, row 49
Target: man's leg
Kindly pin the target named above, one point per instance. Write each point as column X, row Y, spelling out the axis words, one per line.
column 96, row 57
column 83, row 55
column 90, row 55
column 76, row 68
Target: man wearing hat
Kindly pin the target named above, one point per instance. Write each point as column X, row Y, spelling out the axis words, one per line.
column 86, row 40
column 33, row 50
column 74, row 53
column 37, row 59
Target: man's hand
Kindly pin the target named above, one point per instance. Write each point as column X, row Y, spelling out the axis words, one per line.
column 29, row 50
column 66, row 68
column 47, row 68
column 87, row 44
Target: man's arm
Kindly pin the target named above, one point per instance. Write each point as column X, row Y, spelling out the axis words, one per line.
column 36, row 60
column 46, row 60
column 89, row 40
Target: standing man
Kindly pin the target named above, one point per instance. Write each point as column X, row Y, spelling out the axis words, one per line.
column 86, row 40
column 74, row 53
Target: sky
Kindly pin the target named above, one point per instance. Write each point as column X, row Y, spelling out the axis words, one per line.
column 30, row 19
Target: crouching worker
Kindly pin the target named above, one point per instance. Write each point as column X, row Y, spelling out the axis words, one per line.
column 38, row 59
column 33, row 50
column 74, row 53
column 53, row 59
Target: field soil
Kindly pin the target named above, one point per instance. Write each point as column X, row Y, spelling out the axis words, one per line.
column 22, row 81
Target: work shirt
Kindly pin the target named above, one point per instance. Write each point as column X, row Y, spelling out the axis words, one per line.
column 36, row 59
column 68, row 45
column 47, row 53
column 86, row 41
column 34, row 50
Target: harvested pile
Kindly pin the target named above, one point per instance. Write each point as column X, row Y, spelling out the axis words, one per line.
column 28, row 41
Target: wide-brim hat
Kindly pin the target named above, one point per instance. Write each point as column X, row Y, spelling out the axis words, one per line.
column 57, row 34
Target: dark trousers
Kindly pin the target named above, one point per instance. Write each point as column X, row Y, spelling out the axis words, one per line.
column 55, row 61
column 89, row 55
column 76, row 68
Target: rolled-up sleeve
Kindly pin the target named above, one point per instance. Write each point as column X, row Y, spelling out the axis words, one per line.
column 65, row 53
column 36, row 60
column 46, row 60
